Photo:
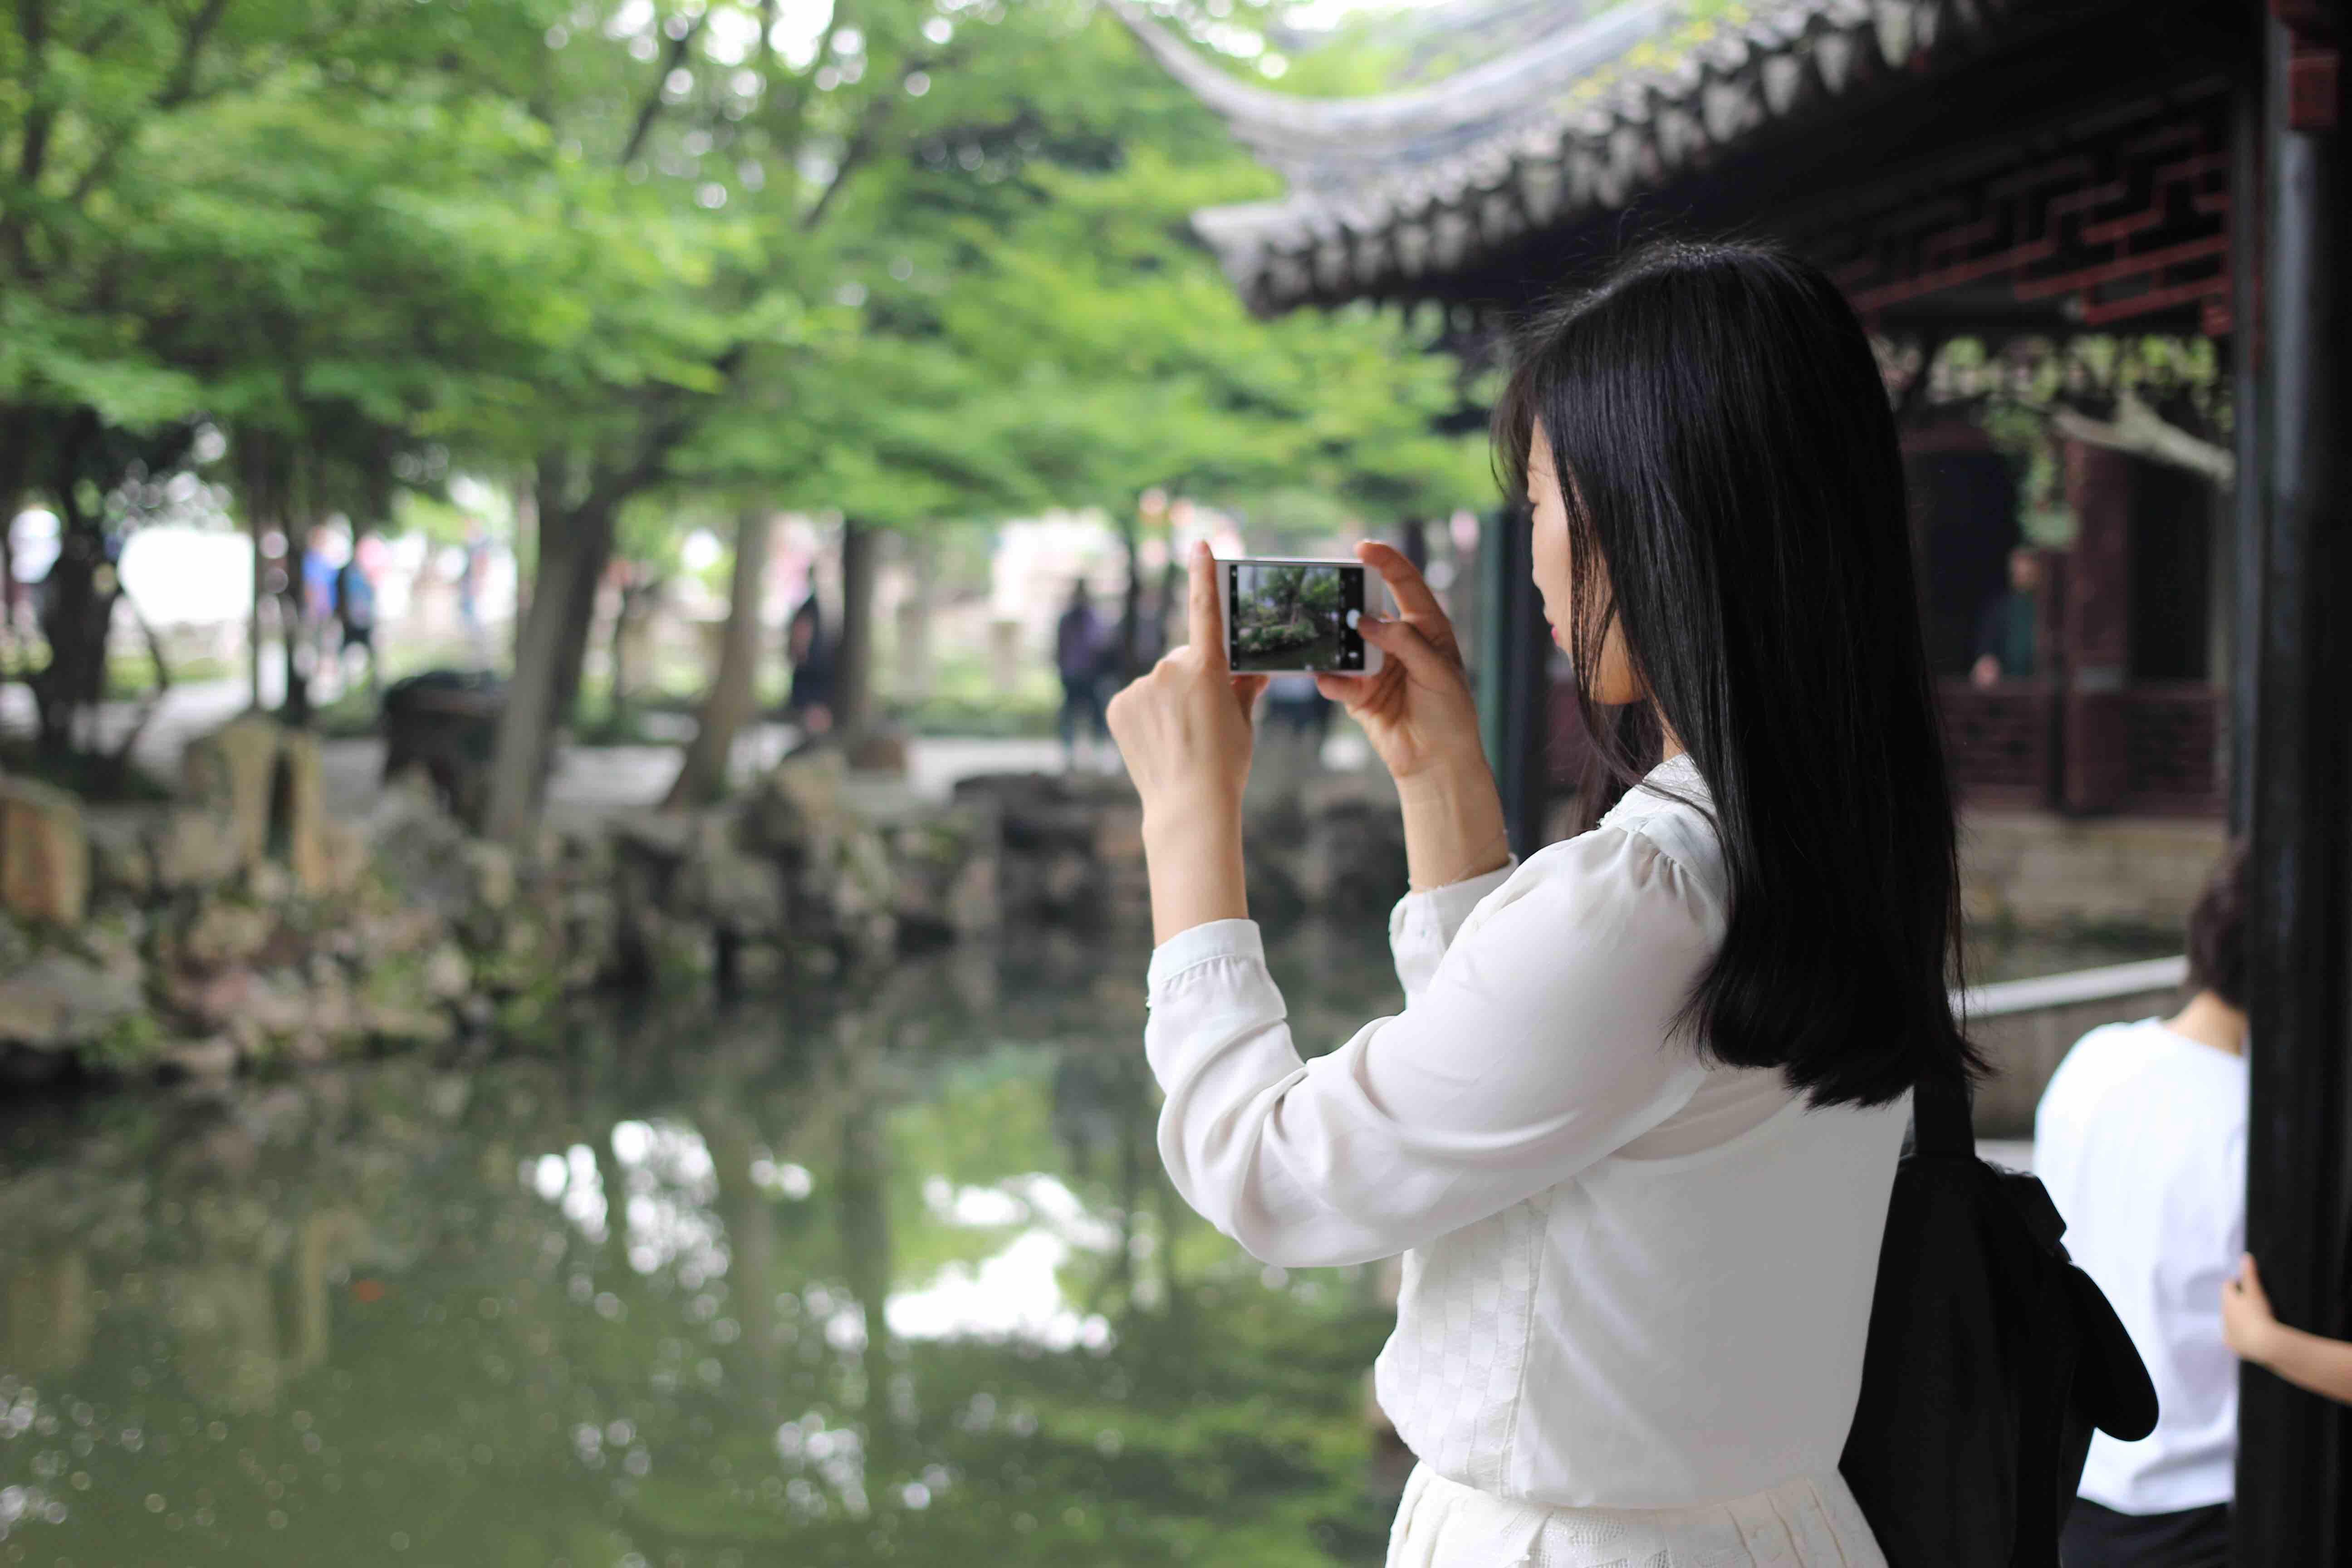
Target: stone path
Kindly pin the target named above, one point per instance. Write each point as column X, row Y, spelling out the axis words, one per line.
column 592, row 780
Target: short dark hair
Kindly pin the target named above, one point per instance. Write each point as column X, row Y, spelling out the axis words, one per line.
column 2217, row 943
column 1736, row 504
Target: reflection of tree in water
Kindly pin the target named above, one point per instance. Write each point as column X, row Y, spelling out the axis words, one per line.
column 448, row 1306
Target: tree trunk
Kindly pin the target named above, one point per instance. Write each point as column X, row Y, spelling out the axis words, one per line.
column 75, row 615
column 1130, row 603
column 294, row 707
column 572, row 551
column 1173, row 584
column 702, row 775
column 618, row 689
column 852, row 695
column 1412, row 542
column 579, row 606
column 76, row 607
column 255, row 528
column 915, row 673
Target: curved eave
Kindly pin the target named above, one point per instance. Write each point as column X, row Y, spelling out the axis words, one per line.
column 1445, row 199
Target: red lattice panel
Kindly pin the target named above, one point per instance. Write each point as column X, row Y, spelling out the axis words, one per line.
column 2171, row 738
column 1997, row 741
column 2133, row 226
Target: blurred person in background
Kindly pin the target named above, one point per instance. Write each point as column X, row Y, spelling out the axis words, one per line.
column 1078, row 650
column 1294, row 703
column 2009, row 630
column 2141, row 1141
column 469, row 586
column 319, row 572
column 2311, row 1362
column 809, row 704
column 355, row 613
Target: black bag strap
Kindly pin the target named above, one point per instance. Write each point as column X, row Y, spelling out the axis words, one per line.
column 1940, row 1122
column 2046, row 1376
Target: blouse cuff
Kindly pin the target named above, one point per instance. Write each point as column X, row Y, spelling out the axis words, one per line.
column 1203, row 943
column 1440, row 911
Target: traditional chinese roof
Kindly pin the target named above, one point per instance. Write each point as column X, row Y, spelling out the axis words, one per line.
column 1389, row 193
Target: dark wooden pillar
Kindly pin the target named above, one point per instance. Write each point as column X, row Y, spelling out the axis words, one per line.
column 2248, row 424
column 2292, row 1446
column 1512, row 696
column 2097, row 627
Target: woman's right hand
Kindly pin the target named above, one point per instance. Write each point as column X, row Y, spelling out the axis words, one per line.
column 1422, row 720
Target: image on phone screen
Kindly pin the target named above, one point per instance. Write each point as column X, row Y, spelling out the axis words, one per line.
column 1293, row 616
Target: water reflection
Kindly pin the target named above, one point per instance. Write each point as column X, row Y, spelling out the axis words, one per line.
column 819, row 1280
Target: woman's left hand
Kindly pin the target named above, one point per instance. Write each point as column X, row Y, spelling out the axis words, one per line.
column 1183, row 729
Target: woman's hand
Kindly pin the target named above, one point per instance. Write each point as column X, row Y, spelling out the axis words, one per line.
column 1417, row 710
column 2247, row 1322
column 1422, row 720
column 1184, row 731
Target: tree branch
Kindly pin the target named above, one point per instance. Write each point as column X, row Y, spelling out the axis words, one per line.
column 2139, row 430
column 868, row 134
column 650, row 111
column 179, row 88
column 33, row 22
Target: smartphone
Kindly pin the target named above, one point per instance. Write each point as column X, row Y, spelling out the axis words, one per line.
column 1287, row 616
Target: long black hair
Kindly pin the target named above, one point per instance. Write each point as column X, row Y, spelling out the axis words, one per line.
column 1736, row 504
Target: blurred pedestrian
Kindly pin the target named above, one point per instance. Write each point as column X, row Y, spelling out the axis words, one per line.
column 318, row 602
column 1079, row 652
column 1292, row 701
column 354, row 603
column 2009, row 632
column 470, row 573
column 2140, row 1140
column 810, row 701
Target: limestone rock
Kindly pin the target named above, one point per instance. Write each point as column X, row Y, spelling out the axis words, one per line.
column 447, row 973
column 233, row 769
column 195, row 846
column 881, row 750
column 723, row 885
column 222, row 934
column 121, row 859
column 493, row 867
column 44, row 854
column 60, row 1001
column 213, row 1057
column 327, row 856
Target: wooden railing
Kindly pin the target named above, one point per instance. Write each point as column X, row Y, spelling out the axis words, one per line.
column 1999, row 741
column 2150, row 749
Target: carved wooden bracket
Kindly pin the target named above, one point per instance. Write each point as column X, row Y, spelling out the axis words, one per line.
column 2314, row 98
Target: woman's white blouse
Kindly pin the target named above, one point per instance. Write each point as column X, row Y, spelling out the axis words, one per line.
column 1632, row 1279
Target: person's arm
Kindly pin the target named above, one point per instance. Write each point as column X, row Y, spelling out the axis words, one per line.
column 2310, row 1362
column 1545, row 1041
column 1423, row 923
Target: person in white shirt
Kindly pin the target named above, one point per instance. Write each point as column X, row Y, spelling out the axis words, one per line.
column 2141, row 1141
column 1635, row 1129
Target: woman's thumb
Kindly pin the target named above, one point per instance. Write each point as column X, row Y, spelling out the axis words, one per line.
column 1400, row 642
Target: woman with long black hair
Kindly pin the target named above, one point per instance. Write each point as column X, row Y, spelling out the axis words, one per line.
column 1635, row 1129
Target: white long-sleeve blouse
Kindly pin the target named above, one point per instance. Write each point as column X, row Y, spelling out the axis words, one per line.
column 1634, row 1277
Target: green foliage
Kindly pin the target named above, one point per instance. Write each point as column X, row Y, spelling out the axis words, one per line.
column 652, row 262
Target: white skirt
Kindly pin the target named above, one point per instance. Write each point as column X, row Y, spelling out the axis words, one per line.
column 1810, row 1521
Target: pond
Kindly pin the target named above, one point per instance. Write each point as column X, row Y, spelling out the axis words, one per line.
column 844, row 1278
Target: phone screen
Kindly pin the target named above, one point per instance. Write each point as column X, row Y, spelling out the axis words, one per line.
column 1293, row 616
